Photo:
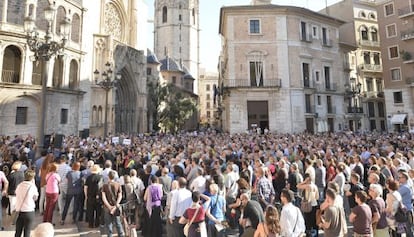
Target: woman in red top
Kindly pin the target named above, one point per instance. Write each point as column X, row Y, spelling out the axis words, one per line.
column 198, row 226
column 331, row 170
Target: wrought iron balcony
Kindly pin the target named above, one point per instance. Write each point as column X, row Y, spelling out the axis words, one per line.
column 355, row 110
column 371, row 67
column 247, row 83
column 369, row 43
column 407, row 35
column 406, row 11
column 10, row 76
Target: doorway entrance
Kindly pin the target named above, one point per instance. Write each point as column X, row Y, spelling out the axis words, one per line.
column 258, row 114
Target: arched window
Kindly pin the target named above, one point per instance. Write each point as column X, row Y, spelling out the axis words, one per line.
column 58, row 73
column 37, row 72
column 60, row 15
column 374, row 34
column 41, row 23
column 94, row 118
column 164, row 14
column 99, row 115
column 364, row 33
column 75, row 31
column 31, row 9
column 11, row 64
column 73, row 75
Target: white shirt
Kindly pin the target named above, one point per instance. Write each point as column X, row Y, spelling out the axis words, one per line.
column 198, row 184
column 180, row 201
column 26, row 204
column 291, row 219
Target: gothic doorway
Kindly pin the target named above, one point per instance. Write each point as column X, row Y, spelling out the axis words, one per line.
column 130, row 96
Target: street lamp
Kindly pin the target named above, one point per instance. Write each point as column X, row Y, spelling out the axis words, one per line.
column 107, row 82
column 355, row 90
column 44, row 49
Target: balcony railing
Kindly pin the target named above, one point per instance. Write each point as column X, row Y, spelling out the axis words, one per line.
column 355, row 110
column 372, row 94
column 247, row 83
column 10, row 76
column 369, row 43
column 407, row 35
column 407, row 11
column 409, row 80
column 371, row 67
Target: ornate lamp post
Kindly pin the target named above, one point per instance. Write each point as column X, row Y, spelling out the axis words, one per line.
column 107, row 82
column 355, row 91
column 44, row 49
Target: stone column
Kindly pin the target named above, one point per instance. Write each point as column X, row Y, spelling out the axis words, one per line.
column 4, row 13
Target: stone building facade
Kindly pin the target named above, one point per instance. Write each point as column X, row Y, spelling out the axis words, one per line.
column 366, row 110
column 279, row 69
column 208, row 97
column 101, row 31
column 395, row 19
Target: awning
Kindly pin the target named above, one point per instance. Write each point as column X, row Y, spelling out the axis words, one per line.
column 398, row 118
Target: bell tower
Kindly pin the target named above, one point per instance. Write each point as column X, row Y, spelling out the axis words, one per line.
column 176, row 33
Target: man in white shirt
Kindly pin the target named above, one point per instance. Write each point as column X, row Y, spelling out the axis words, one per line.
column 180, row 201
column 199, row 183
column 291, row 220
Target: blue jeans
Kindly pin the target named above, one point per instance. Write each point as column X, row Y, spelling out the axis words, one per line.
column 111, row 219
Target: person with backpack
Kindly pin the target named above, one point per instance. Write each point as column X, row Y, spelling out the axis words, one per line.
column 216, row 211
column 111, row 197
column 74, row 184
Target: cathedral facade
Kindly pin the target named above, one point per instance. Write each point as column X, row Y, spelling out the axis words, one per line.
column 101, row 31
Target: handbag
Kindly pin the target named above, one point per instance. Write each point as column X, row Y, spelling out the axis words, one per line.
column 187, row 226
column 401, row 215
column 15, row 214
column 306, row 205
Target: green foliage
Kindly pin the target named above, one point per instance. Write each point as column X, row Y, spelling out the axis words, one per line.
column 175, row 108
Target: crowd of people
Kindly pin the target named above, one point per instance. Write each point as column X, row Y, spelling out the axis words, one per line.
column 207, row 183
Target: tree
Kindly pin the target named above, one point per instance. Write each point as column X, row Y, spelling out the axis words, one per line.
column 175, row 108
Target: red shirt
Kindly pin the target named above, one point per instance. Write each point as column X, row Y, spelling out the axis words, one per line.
column 189, row 213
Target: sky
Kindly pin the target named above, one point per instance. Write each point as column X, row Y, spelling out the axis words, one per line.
column 210, row 41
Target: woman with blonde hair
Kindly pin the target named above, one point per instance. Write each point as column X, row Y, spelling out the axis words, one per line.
column 15, row 178
column 271, row 226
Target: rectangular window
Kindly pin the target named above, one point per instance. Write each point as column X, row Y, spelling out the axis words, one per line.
column 393, row 52
column 149, row 71
column 64, row 116
column 379, row 85
column 179, row 17
column 327, row 75
column 372, row 125
column 376, row 58
column 317, row 76
column 174, row 80
column 208, row 105
column 367, row 58
column 329, row 104
column 381, row 111
column 371, row 109
column 208, row 114
column 395, row 74
column 370, row 86
column 319, row 100
column 398, row 97
column 21, row 115
column 305, row 75
column 256, row 74
column 207, row 87
column 325, row 36
column 303, row 31
column 315, row 32
column 208, row 97
column 254, row 27
column 389, row 9
column 308, row 104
